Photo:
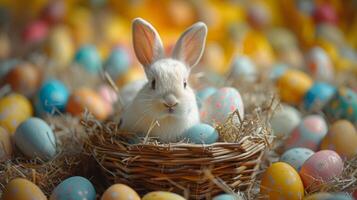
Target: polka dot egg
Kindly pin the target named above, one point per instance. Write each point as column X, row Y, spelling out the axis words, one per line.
column 318, row 96
column 120, row 192
column 75, row 187
column 203, row 94
column 159, row 195
column 22, row 189
column 296, row 157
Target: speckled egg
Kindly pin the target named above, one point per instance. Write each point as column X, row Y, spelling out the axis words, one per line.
column 309, row 133
column 342, row 138
column 35, row 138
column 160, row 195
column 319, row 196
column 281, row 181
column 118, row 62
column 201, row 134
column 5, row 145
column 284, row 120
column 225, row 197
column 321, row 167
column 88, row 57
column 318, row 96
column 120, row 192
column 75, row 187
column 296, row 157
column 293, row 85
column 86, row 98
column 22, row 189
column 14, row 109
column 319, row 64
column 218, row 106
column 243, row 68
column 52, row 97
column 203, row 94
column 343, row 105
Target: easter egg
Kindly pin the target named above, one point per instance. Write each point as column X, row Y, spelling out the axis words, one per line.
column 225, row 197
column 35, row 138
column 318, row 96
column 296, row 157
column 285, row 120
column 203, row 94
column 321, row 167
column 5, row 145
column 342, row 138
column 133, row 74
column 129, row 91
column 343, row 105
column 319, row 64
column 309, row 133
column 325, row 13
column 120, row 192
column 218, row 106
column 59, row 46
column 52, row 96
column 201, row 134
column 75, row 187
column 14, row 109
column 118, row 62
column 35, row 32
column 85, row 98
column 293, row 85
column 22, row 189
column 25, row 78
column 277, row 71
column 108, row 94
column 159, row 195
column 243, row 68
column 88, row 57
column 318, row 196
column 281, row 181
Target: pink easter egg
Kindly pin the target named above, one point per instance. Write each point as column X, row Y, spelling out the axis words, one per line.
column 35, row 32
column 108, row 94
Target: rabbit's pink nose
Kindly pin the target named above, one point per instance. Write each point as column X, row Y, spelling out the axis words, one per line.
column 170, row 101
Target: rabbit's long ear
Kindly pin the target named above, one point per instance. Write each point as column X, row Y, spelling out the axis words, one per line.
column 189, row 48
column 147, row 43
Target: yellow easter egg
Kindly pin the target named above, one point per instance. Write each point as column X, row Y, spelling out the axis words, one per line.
column 120, row 192
column 79, row 20
column 293, row 85
column 159, row 195
column 14, row 109
column 318, row 196
column 5, row 145
column 281, row 181
column 133, row 74
column 22, row 189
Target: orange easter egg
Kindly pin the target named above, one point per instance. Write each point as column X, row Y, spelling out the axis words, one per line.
column 22, row 189
column 120, row 192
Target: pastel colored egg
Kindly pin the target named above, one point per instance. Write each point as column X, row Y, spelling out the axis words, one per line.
column 342, row 138
column 323, row 166
column 22, row 189
column 343, row 105
column 118, row 62
column 296, row 157
column 52, row 96
column 225, row 197
column 35, row 32
column 86, row 99
column 88, row 57
column 319, row 64
column 285, row 120
column 25, row 78
column 277, row 71
column 14, row 109
column 129, row 91
column 120, row 192
column 217, row 107
column 243, row 68
column 201, row 134
column 293, row 85
column 160, row 195
column 35, row 138
column 308, row 134
column 318, row 96
column 108, row 94
column 281, row 181
column 203, row 94
column 59, row 46
column 75, row 187
column 5, row 145
column 318, row 196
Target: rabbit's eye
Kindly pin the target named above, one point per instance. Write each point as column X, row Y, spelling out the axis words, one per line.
column 185, row 84
column 153, row 84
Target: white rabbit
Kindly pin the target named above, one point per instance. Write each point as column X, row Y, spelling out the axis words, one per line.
column 166, row 98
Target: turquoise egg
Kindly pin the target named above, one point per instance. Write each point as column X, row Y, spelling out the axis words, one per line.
column 118, row 62
column 203, row 94
column 296, row 157
column 88, row 57
column 201, row 134
column 343, row 105
column 243, row 68
column 318, row 96
column 52, row 97
column 225, row 197
column 76, row 187
column 35, row 139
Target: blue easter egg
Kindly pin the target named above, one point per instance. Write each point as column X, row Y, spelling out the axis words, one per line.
column 296, row 157
column 203, row 94
column 118, row 63
column 201, row 134
column 318, row 95
column 76, row 187
column 224, row 197
column 243, row 67
column 52, row 96
column 343, row 105
column 277, row 71
column 88, row 57
column 35, row 139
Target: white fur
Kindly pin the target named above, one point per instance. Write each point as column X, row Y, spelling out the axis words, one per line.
column 169, row 74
